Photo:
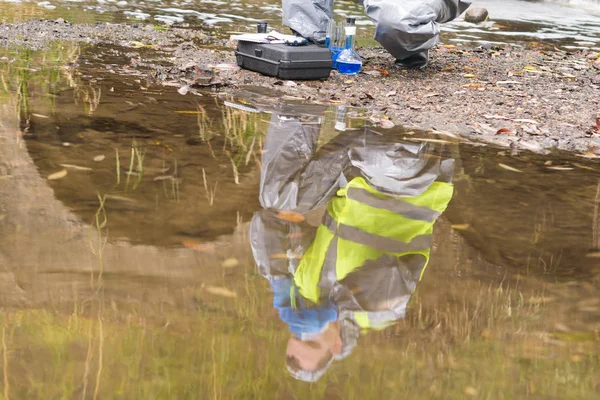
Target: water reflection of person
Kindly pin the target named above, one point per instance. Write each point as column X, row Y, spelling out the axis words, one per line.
column 359, row 267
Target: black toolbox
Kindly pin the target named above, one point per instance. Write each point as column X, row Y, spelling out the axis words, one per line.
column 309, row 61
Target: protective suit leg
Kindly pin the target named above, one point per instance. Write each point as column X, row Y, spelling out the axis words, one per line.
column 309, row 18
column 408, row 28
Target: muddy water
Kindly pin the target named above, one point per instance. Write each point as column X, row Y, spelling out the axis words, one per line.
column 141, row 248
column 567, row 23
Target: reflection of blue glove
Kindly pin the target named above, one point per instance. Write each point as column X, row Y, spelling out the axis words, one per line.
column 281, row 292
column 303, row 322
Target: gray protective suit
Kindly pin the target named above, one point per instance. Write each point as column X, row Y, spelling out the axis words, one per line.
column 403, row 27
column 300, row 173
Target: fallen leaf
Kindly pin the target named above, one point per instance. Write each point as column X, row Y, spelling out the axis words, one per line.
column 281, row 256
column 39, row 115
column 460, row 227
column 382, row 71
column 508, row 83
column 291, row 216
column 530, row 68
column 207, row 248
column 220, row 291
column 99, row 158
column 472, row 86
column 503, row 130
column 368, row 72
column 526, row 121
column 583, row 166
column 428, row 140
column 57, row 175
column 468, row 69
column 470, row 76
column 163, row 178
column 227, row 67
column 508, row 168
column 230, row 263
column 448, row 68
column 449, row 46
column 348, row 81
column 120, row 198
column 75, row 167
column 559, row 168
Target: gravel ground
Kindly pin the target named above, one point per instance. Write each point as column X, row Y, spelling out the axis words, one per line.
column 534, row 98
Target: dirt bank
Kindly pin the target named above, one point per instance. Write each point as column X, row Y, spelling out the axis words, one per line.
column 533, row 98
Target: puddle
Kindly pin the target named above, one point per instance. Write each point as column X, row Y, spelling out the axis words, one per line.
column 567, row 24
column 144, row 233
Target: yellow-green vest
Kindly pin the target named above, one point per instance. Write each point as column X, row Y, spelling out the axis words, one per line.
column 368, row 225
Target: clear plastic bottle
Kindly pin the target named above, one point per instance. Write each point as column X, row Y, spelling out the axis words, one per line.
column 340, row 118
column 348, row 62
column 330, row 35
column 338, row 41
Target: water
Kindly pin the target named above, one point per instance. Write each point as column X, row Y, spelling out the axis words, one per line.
column 572, row 24
column 141, row 273
column 348, row 68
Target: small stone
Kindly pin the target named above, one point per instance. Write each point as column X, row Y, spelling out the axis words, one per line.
column 476, row 15
column 60, row 21
column 183, row 90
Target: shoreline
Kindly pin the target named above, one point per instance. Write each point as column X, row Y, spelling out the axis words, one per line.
column 534, row 98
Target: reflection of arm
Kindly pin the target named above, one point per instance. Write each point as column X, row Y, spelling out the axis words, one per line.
column 277, row 244
column 294, row 175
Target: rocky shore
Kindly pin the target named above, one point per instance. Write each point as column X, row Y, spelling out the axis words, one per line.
column 535, row 97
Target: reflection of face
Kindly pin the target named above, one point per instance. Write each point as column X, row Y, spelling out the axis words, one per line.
column 311, row 355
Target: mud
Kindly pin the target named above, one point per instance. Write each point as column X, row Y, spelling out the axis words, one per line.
column 535, row 98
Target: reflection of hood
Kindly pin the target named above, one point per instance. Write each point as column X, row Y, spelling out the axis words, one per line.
column 402, row 169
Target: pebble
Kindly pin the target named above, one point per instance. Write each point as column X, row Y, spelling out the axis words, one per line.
column 476, row 15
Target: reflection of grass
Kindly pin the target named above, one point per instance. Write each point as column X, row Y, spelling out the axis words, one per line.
column 98, row 229
column 36, row 72
column 136, row 159
column 241, row 130
column 89, row 96
column 210, row 191
column 235, row 351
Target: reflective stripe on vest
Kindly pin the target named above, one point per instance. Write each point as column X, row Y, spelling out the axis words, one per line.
column 366, row 225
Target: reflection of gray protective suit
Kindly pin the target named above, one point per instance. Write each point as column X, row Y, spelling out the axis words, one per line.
column 299, row 177
column 403, row 27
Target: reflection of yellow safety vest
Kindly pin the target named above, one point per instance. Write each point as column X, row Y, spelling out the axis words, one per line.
column 368, row 225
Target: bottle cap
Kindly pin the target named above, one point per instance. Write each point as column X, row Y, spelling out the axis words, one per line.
column 261, row 27
column 351, row 20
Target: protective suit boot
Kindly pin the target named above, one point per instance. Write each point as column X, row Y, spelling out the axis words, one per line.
column 416, row 61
